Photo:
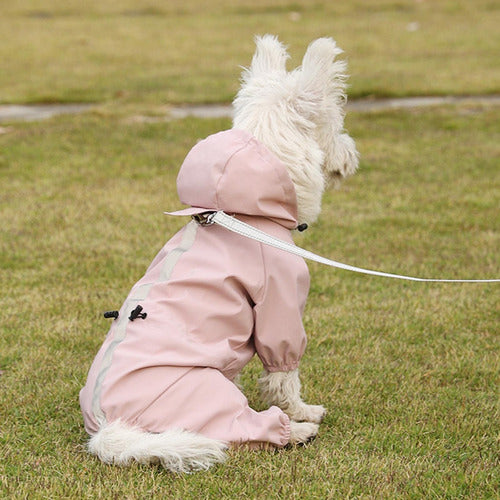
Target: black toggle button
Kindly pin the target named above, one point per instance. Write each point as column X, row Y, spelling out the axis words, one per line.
column 137, row 313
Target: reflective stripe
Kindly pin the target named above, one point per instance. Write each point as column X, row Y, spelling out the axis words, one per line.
column 173, row 256
column 138, row 294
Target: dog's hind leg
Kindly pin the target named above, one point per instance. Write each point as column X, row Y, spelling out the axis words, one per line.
column 283, row 390
column 204, row 401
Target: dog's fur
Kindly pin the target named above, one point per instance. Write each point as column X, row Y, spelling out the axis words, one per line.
column 298, row 116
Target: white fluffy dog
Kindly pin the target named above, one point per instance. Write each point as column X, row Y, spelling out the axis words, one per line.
column 163, row 386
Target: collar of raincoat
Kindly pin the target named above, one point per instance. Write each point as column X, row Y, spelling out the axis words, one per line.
column 234, row 172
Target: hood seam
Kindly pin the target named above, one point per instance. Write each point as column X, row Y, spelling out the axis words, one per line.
column 279, row 176
column 224, row 171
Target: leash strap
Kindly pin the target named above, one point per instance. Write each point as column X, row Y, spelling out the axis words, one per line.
column 236, row 226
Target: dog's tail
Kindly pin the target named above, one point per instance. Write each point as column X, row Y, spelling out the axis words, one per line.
column 177, row 450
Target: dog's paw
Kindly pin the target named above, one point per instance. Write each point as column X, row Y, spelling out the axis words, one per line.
column 307, row 413
column 302, row 432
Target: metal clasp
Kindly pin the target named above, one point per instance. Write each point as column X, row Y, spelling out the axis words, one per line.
column 204, row 219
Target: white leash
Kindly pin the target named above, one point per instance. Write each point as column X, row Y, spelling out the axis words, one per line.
column 236, row 226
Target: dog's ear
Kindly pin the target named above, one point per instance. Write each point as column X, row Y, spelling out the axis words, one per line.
column 321, row 82
column 262, row 87
column 322, row 77
column 270, row 57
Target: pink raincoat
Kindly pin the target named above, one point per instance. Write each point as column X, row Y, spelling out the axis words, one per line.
column 213, row 299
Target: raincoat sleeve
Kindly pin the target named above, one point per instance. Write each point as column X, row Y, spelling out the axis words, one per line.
column 279, row 336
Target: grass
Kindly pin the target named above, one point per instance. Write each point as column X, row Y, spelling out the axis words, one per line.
column 409, row 372
column 131, row 51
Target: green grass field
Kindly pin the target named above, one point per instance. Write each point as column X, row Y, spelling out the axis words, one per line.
column 190, row 51
column 409, row 372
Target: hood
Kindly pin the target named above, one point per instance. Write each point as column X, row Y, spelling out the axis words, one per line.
column 232, row 171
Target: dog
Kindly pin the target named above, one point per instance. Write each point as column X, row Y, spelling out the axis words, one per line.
column 163, row 387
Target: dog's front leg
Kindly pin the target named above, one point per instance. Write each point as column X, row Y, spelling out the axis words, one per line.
column 283, row 390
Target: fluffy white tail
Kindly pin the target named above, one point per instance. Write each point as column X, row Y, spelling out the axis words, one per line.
column 177, row 450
